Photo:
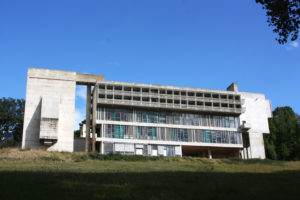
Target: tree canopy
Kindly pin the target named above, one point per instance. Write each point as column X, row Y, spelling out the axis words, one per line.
column 77, row 132
column 284, row 16
column 11, row 117
column 283, row 142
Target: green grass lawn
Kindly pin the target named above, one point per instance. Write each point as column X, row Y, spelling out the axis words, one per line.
column 37, row 174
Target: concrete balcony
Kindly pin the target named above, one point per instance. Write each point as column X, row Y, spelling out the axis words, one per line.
column 163, row 96
column 101, row 91
column 138, row 103
column 109, row 91
column 127, row 93
column 136, row 94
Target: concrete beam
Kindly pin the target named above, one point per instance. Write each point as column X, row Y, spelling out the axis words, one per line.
column 94, row 119
column 88, row 79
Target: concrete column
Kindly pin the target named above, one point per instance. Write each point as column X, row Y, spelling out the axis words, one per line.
column 88, row 116
column 101, row 130
column 209, row 154
column 94, row 118
column 101, row 147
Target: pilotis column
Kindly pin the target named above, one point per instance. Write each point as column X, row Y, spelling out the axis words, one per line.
column 88, row 116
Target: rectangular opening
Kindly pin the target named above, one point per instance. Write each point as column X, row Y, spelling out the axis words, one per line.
column 192, row 103
column 109, row 96
column 101, row 86
column 146, row 99
column 118, row 87
column 118, row 97
column 224, row 105
column 169, row 92
column 176, row 101
column 231, row 106
column 191, row 94
column 127, row 89
column 230, row 97
column 183, row 102
column 176, row 92
column 215, row 96
column 238, row 105
column 237, row 97
column 110, row 87
column 127, row 97
column 170, row 100
column 207, row 103
column 162, row 100
column 198, row 94
column 207, row 95
column 223, row 96
column 199, row 103
column 101, row 96
column 154, row 91
column 155, row 100
column 145, row 89
column 162, row 91
column 216, row 104
column 135, row 89
column 136, row 98
column 183, row 93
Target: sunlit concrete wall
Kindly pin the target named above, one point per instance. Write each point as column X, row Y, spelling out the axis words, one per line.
column 60, row 84
column 258, row 110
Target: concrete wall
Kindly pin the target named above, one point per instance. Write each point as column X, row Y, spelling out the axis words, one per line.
column 79, row 144
column 256, row 115
column 61, row 84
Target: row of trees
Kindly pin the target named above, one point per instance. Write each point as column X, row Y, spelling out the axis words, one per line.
column 283, row 142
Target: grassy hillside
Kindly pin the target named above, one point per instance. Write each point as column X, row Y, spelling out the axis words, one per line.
column 38, row 174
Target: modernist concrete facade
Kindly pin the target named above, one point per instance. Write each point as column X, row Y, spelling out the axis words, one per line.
column 144, row 119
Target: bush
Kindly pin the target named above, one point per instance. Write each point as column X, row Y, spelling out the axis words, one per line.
column 118, row 156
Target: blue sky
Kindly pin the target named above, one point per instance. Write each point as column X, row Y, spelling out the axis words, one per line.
column 204, row 44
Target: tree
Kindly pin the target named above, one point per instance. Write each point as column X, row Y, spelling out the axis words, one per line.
column 11, row 117
column 283, row 142
column 77, row 132
column 284, row 15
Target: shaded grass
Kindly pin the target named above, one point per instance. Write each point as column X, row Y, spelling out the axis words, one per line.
column 37, row 174
column 151, row 185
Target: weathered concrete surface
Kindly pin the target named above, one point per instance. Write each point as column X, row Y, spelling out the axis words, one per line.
column 84, row 79
column 258, row 110
column 49, row 117
column 53, row 83
column 50, row 107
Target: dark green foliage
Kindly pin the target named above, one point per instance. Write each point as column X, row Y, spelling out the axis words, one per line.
column 115, row 156
column 11, row 117
column 284, row 15
column 283, row 142
column 77, row 132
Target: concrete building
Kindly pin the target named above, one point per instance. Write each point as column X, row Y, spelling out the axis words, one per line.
column 144, row 119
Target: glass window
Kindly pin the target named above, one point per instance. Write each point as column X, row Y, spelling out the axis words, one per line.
column 162, row 117
column 176, row 118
